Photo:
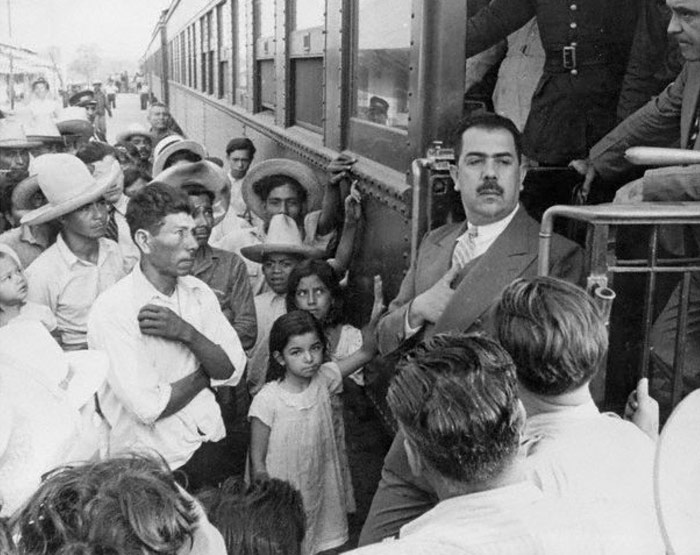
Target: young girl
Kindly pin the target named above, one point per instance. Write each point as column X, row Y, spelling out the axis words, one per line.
column 292, row 436
column 13, row 294
column 314, row 287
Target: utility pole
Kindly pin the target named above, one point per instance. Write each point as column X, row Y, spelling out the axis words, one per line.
column 12, row 68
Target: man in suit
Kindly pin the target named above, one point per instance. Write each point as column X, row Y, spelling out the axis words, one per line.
column 458, row 274
column 671, row 119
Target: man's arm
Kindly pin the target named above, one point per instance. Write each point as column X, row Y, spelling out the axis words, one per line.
column 183, row 391
column 331, row 212
column 495, row 22
column 242, row 316
column 162, row 322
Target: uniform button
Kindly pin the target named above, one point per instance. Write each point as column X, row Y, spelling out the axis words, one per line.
column 573, row 25
column 573, row 7
column 574, row 72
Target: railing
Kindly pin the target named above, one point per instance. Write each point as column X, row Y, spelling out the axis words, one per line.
column 603, row 262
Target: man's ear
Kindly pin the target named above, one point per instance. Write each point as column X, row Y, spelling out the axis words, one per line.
column 142, row 238
column 524, row 166
column 454, row 174
column 414, row 459
column 279, row 358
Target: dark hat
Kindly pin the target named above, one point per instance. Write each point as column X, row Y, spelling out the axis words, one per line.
column 378, row 104
column 73, row 121
column 240, row 143
column 82, row 99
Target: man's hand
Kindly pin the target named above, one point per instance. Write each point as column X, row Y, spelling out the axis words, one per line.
column 643, row 410
column 369, row 332
column 585, row 168
column 162, row 322
column 632, row 193
column 340, row 168
column 429, row 305
column 353, row 204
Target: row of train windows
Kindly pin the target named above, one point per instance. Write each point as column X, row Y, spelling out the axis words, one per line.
column 214, row 55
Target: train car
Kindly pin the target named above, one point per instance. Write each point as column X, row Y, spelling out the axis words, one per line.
column 307, row 79
column 384, row 81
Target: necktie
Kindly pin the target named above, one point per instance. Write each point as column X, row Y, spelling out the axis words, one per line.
column 465, row 249
column 112, row 232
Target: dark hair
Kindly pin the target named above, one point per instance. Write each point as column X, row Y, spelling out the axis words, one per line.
column 456, row 399
column 131, row 151
column 264, row 518
column 186, row 155
column 148, row 208
column 133, row 173
column 241, row 143
column 327, row 275
column 197, row 189
column 95, row 151
column 490, row 122
column 297, row 322
column 266, row 185
column 158, row 105
column 126, row 506
column 554, row 332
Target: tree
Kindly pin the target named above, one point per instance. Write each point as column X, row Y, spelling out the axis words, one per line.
column 86, row 62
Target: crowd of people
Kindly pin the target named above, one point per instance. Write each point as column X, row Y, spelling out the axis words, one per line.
column 174, row 344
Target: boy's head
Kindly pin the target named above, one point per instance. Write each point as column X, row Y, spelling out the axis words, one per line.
column 554, row 332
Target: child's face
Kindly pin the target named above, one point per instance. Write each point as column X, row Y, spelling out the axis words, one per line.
column 13, row 285
column 276, row 269
column 313, row 296
column 302, row 355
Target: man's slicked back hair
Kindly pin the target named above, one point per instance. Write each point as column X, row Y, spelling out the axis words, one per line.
column 490, row 122
column 554, row 332
column 455, row 397
column 94, row 151
column 149, row 207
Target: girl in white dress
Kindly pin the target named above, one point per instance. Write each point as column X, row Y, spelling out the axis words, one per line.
column 315, row 287
column 292, row 435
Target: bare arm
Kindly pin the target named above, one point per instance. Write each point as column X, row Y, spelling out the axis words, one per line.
column 330, row 207
column 183, row 391
column 163, row 322
column 259, row 440
column 353, row 214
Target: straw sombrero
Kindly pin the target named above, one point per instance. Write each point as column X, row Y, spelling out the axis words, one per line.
column 204, row 173
column 134, row 130
column 172, row 144
column 67, row 185
column 283, row 237
column 280, row 166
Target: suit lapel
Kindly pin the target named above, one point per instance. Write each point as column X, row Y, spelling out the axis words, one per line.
column 689, row 106
column 483, row 279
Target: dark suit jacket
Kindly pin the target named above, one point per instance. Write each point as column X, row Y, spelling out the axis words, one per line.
column 512, row 255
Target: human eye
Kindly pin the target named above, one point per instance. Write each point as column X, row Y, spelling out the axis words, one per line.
column 317, row 347
column 473, row 160
column 302, row 293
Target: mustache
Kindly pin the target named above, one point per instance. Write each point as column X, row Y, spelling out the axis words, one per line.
column 490, row 186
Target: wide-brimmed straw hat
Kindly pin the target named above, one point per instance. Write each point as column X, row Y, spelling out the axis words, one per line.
column 134, row 130
column 82, row 99
column 22, row 194
column 172, row 144
column 67, row 185
column 12, row 135
column 204, row 173
column 283, row 237
column 677, row 477
column 74, row 121
column 279, row 166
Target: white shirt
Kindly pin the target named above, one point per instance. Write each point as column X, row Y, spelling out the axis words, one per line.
column 512, row 520
column 233, row 219
column 69, row 285
column 130, row 252
column 579, row 453
column 142, row 367
column 268, row 307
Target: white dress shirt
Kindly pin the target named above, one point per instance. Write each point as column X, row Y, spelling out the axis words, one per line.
column 143, row 367
column 69, row 285
column 512, row 520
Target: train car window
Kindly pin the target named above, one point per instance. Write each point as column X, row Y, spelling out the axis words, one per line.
column 306, row 51
column 265, row 45
column 204, row 49
column 183, row 58
column 241, row 54
column 382, row 62
column 224, row 41
column 268, row 88
column 265, row 18
column 308, row 14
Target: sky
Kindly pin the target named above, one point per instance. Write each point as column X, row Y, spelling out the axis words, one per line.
column 122, row 28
